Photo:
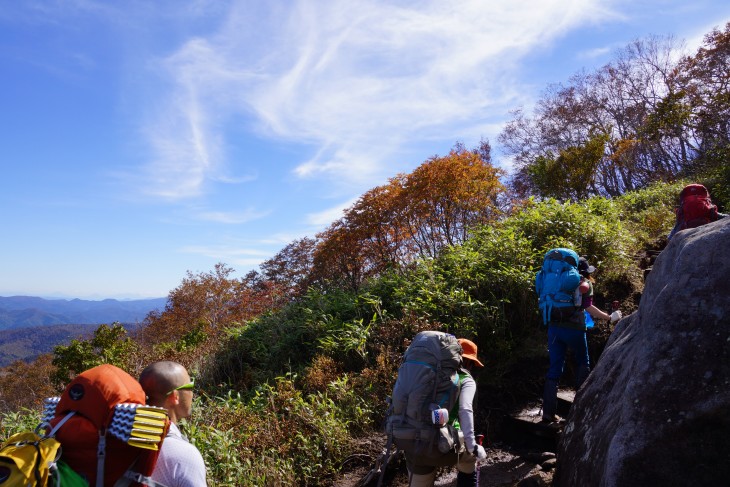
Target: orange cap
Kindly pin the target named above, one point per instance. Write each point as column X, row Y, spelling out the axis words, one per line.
column 470, row 350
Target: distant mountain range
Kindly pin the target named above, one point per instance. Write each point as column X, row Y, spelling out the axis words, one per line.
column 27, row 311
column 30, row 326
column 28, row 343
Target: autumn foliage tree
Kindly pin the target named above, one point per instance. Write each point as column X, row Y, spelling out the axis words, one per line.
column 208, row 302
column 445, row 197
column 569, row 175
column 289, row 270
column 662, row 115
column 25, row 384
column 705, row 108
column 413, row 215
column 615, row 109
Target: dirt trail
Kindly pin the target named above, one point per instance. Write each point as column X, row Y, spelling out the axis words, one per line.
column 521, row 455
column 502, row 468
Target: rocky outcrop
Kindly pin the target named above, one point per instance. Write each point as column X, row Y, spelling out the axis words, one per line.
column 656, row 409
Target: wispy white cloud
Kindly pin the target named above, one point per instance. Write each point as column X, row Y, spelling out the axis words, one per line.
column 182, row 133
column 280, row 239
column 356, row 79
column 230, row 217
column 695, row 39
column 232, row 254
column 599, row 52
column 329, row 215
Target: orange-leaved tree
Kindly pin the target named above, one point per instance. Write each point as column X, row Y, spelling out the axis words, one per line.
column 447, row 196
column 207, row 303
column 414, row 215
column 25, row 385
column 290, row 269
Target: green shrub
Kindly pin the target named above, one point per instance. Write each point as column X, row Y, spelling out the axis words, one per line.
column 17, row 422
column 278, row 435
column 592, row 228
column 648, row 213
column 109, row 345
column 335, row 323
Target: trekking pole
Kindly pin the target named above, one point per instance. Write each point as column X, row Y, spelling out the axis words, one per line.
column 480, row 439
column 384, row 459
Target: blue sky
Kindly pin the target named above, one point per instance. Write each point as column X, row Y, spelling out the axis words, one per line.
column 141, row 140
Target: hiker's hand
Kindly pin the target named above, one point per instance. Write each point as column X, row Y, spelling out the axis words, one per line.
column 480, row 452
column 615, row 316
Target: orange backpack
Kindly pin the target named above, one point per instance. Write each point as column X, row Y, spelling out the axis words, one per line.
column 110, row 434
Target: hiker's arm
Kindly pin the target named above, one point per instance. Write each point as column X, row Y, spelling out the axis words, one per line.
column 592, row 310
column 466, row 412
column 597, row 313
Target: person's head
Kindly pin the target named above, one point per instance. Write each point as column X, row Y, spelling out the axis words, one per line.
column 470, row 353
column 584, row 268
column 168, row 385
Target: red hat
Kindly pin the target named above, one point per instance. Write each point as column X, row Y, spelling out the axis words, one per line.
column 470, row 351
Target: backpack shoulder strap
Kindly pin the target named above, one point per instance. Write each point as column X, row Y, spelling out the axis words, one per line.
column 52, row 433
column 100, row 457
column 461, row 374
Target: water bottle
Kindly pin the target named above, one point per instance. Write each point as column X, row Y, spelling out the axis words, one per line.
column 440, row 416
column 589, row 320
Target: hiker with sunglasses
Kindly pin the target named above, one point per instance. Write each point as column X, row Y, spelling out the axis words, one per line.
column 168, row 385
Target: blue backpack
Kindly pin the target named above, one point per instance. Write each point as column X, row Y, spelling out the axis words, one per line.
column 556, row 283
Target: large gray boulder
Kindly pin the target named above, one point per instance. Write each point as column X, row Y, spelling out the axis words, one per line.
column 656, row 409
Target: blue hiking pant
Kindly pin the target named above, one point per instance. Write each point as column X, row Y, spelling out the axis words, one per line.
column 559, row 341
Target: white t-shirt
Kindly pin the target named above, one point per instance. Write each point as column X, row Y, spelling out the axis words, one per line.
column 180, row 464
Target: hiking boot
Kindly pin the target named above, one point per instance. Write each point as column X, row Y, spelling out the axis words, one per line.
column 554, row 424
column 550, row 398
column 466, row 479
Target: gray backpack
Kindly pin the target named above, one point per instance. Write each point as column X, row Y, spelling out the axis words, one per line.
column 428, row 379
